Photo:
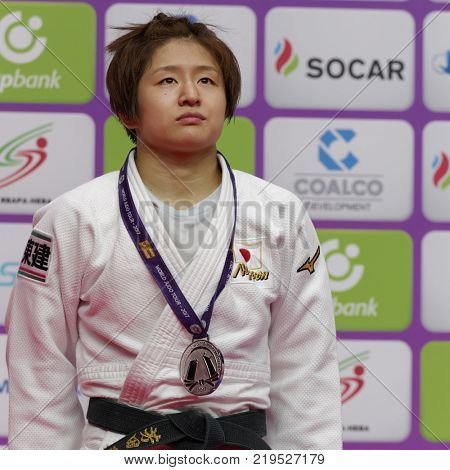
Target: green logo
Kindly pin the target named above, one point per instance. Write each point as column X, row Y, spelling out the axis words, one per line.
column 237, row 143
column 371, row 278
column 47, row 52
column 434, row 391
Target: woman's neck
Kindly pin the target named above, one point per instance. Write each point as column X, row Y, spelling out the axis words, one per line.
column 175, row 179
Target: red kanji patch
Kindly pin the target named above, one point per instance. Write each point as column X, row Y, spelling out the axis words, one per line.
column 36, row 257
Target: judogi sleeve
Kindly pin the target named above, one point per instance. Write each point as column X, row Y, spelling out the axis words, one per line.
column 305, row 411
column 41, row 321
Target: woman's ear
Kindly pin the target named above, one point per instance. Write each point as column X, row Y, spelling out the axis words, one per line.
column 127, row 122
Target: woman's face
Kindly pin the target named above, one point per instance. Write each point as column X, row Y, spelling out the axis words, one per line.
column 181, row 99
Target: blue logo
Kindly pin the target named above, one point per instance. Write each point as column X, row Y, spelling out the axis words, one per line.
column 8, row 272
column 441, row 63
column 4, row 387
column 333, row 162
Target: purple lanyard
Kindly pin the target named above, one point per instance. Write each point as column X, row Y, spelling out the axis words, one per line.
column 157, row 267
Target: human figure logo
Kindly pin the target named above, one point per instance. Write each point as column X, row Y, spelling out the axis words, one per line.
column 352, row 379
column 18, row 40
column 23, row 154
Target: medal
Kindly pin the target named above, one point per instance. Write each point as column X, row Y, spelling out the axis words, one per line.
column 202, row 364
column 201, row 367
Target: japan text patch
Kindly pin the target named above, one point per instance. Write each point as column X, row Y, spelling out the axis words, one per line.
column 36, row 258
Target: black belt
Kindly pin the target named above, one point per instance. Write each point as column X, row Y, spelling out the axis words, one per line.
column 186, row 430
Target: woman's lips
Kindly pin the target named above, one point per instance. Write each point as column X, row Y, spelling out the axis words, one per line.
column 191, row 118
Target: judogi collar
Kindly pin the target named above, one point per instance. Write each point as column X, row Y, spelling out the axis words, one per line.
column 201, row 354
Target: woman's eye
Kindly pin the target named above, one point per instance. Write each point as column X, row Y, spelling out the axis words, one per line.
column 168, row 80
column 206, row 80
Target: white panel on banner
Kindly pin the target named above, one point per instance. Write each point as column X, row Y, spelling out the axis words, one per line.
column 14, row 238
column 339, row 58
column 436, row 61
column 345, row 169
column 436, row 171
column 435, row 281
column 237, row 28
column 43, row 155
column 4, row 389
column 376, row 386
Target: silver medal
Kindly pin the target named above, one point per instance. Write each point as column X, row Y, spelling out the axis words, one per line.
column 201, row 367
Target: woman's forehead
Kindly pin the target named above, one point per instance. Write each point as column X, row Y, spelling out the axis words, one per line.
column 178, row 52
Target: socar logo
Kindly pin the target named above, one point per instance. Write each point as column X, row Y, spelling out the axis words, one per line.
column 343, row 274
column 286, row 61
column 441, row 63
column 18, row 41
column 334, row 162
column 441, row 173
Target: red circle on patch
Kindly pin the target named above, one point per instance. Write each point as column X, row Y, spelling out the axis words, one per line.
column 359, row 370
column 245, row 254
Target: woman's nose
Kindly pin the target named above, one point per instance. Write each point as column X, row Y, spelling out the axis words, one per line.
column 189, row 94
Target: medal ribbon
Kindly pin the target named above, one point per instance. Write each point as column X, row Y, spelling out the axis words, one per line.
column 158, row 268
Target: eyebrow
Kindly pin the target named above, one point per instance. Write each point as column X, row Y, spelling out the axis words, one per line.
column 175, row 68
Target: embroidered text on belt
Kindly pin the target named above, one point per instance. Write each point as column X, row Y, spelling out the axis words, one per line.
column 186, row 430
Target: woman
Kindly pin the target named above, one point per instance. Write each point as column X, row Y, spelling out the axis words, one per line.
column 178, row 345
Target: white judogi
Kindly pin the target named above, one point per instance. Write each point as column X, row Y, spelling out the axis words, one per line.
column 100, row 318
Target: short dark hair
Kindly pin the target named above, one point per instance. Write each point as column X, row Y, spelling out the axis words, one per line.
column 133, row 52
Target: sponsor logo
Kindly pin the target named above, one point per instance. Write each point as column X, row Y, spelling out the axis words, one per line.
column 436, row 171
column 342, row 187
column 344, row 276
column 352, row 372
column 4, row 387
column 23, row 154
column 308, row 265
column 19, row 42
column 306, row 69
column 8, row 272
column 40, row 52
column 370, row 278
column 441, row 63
column 336, row 68
column 327, row 139
column 287, row 60
column 441, row 171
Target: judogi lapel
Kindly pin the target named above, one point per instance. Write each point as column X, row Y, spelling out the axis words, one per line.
column 198, row 281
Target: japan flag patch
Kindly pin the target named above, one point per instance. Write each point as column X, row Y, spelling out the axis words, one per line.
column 251, row 263
column 36, row 257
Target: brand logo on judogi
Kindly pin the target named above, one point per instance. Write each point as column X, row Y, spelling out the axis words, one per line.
column 309, row 264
